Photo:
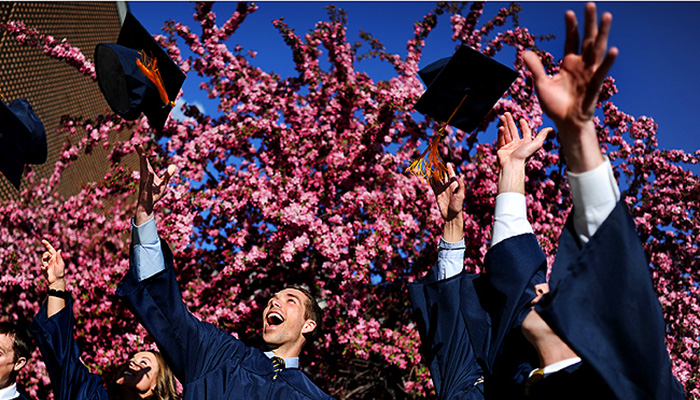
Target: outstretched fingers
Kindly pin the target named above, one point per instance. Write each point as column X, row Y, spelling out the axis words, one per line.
column 601, row 40
column 512, row 128
column 507, row 132
column 143, row 167
column 596, row 82
column 501, row 137
column 525, row 128
column 572, row 39
column 590, row 31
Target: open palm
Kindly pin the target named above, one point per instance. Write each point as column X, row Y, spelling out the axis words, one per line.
column 449, row 195
column 569, row 98
column 511, row 147
column 151, row 186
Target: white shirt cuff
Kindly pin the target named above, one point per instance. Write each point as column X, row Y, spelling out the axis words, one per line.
column 147, row 253
column 595, row 194
column 510, row 217
column 557, row 366
column 450, row 259
column 144, row 233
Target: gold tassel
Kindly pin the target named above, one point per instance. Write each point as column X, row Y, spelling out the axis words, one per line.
column 429, row 165
column 149, row 67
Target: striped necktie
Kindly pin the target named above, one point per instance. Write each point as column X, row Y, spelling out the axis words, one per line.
column 277, row 365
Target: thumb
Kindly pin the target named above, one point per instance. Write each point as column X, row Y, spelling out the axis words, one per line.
column 169, row 172
column 172, row 169
column 533, row 63
column 542, row 135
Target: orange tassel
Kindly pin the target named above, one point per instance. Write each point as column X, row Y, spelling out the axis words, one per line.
column 431, row 167
column 149, row 67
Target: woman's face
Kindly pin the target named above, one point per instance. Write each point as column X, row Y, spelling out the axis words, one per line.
column 140, row 374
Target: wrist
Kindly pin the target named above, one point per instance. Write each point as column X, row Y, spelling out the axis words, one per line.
column 512, row 178
column 142, row 216
column 453, row 230
column 515, row 165
column 59, row 284
column 61, row 294
column 580, row 146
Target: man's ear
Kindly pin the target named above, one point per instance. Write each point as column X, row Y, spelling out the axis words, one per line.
column 309, row 326
column 20, row 363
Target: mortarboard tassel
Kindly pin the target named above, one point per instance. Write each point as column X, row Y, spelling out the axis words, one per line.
column 429, row 165
column 149, row 68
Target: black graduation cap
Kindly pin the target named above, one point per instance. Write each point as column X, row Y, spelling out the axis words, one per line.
column 462, row 89
column 22, row 139
column 136, row 75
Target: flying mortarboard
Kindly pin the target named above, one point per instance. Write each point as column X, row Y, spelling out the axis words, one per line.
column 462, row 89
column 136, row 75
column 22, row 139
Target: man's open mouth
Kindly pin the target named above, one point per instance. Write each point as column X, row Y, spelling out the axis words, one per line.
column 274, row 318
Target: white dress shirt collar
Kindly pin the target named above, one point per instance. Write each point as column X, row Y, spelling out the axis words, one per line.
column 9, row 392
column 291, row 362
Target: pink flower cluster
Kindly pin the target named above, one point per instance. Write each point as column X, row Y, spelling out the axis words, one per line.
column 302, row 181
column 60, row 50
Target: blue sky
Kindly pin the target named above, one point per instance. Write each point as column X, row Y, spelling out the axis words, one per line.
column 656, row 71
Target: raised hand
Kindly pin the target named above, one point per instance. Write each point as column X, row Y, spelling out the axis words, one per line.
column 570, row 96
column 449, row 194
column 514, row 150
column 53, row 267
column 151, row 187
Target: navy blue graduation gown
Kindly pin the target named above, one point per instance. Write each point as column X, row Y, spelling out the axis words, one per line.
column 70, row 379
column 603, row 304
column 467, row 321
column 576, row 382
column 210, row 363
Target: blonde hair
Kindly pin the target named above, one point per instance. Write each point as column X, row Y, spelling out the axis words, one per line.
column 166, row 384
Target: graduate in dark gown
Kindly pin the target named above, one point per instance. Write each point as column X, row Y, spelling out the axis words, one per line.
column 15, row 351
column 465, row 319
column 602, row 306
column 599, row 332
column 209, row 362
column 144, row 376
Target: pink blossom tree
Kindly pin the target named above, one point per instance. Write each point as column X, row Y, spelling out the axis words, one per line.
column 302, row 181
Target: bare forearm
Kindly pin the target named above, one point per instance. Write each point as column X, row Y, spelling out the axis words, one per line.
column 580, row 147
column 142, row 215
column 56, row 304
column 453, row 230
column 512, row 178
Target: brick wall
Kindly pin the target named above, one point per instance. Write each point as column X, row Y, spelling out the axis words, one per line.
column 54, row 88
